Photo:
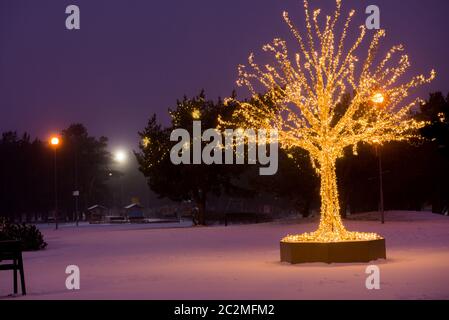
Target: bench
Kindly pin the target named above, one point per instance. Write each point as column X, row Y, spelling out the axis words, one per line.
column 12, row 251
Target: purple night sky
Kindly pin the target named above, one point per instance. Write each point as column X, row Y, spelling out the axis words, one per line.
column 133, row 58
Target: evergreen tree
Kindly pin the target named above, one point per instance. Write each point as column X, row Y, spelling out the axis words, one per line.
column 193, row 182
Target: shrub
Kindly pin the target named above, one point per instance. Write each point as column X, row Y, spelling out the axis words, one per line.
column 30, row 236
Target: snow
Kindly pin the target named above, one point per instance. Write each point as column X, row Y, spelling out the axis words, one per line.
column 172, row 261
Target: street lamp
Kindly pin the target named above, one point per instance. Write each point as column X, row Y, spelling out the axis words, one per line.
column 55, row 142
column 120, row 156
column 378, row 99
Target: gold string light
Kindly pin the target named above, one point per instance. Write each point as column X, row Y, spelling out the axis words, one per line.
column 301, row 99
column 146, row 142
column 196, row 114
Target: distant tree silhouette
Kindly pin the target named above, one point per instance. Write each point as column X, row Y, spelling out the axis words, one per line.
column 436, row 111
column 26, row 173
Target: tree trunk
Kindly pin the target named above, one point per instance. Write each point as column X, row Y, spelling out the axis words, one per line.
column 330, row 209
column 200, row 200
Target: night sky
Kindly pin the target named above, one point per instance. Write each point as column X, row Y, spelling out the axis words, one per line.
column 133, row 58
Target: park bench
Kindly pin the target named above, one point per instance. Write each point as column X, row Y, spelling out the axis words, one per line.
column 12, row 251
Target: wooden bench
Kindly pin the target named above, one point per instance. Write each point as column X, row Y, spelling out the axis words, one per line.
column 12, row 251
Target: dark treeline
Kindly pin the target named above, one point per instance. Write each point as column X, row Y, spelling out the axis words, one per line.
column 27, row 174
column 416, row 174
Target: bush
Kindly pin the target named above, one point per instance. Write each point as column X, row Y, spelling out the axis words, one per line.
column 29, row 235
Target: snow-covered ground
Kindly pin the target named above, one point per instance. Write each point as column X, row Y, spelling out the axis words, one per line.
column 236, row 262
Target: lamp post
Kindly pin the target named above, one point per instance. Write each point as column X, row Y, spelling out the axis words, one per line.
column 54, row 142
column 120, row 158
column 381, row 183
column 76, row 192
column 379, row 99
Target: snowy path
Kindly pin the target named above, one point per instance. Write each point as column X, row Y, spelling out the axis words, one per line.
column 237, row 262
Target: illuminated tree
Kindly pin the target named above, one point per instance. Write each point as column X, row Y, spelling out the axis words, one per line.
column 303, row 92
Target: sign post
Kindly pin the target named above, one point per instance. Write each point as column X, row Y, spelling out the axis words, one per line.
column 76, row 195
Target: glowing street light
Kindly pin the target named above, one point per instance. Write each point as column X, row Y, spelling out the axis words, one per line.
column 378, row 98
column 55, row 141
column 120, row 156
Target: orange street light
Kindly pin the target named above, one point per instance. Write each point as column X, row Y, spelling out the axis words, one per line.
column 54, row 142
column 378, row 98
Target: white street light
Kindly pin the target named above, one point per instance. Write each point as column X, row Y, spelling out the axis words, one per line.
column 120, row 156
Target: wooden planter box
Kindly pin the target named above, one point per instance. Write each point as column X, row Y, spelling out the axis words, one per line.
column 335, row 252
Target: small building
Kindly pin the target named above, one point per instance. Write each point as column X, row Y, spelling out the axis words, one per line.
column 97, row 214
column 135, row 212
